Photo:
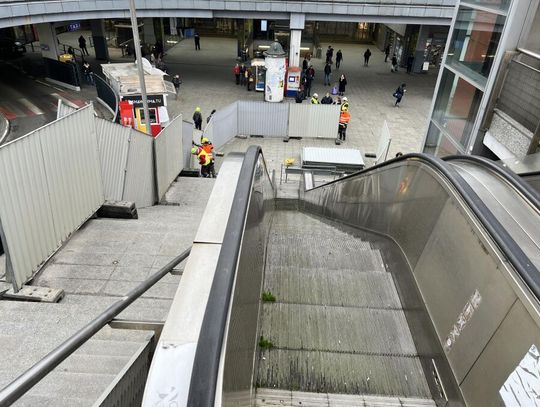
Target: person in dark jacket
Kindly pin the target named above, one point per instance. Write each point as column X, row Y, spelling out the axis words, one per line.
column 176, row 82
column 327, row 99
column 339, row 58
column 82, row 45
column 197, row 118
column 367, row 55
column 394, row 63
column 342, row 85
column 300, row 95
column 398, row 94
column 410, row 63
column 197, row 39
column 310, row 74
column 386, row 53
column 327, row 72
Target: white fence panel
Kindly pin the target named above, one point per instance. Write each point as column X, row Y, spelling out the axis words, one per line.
column 187, row 139
column 224, row 125
column 63, row 109
column 113, row 142
column 262, row 119
column 169, row 155
column 139, row 182
column 319, row 121
column 50, row 185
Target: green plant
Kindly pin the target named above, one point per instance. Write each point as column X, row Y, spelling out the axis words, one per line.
column 267, row 296
column 265, row 343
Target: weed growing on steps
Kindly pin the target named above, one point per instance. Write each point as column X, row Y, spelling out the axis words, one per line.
column 267, row 296
column 265, row 344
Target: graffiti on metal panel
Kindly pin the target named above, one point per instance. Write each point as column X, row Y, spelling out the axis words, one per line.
column 464, row 317
column 522, row 388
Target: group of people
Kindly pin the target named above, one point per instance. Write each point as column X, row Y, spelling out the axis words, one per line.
column 244, row 76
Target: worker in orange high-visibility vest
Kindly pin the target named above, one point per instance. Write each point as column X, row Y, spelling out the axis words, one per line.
column 344, row 119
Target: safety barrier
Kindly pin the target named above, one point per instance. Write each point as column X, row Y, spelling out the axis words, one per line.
column 126, row 163
column 272, row 120
column 169, row 155
column 50, row 185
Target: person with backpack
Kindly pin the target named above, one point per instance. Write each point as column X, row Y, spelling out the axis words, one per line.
column 398, row 94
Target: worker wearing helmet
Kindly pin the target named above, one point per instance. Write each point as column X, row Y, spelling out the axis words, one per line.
column 205, row 160
column 315, row 99
column 209, row 148
column 345, row 104
column 197, row 118
column 344, row 119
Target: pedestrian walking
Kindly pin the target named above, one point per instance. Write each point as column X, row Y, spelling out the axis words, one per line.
column 339, row 58
column 394, row 64
column 386, row 53
column 250, row 80
column 315, row 99
column 327, row 72
column 236, row 71
column 243, row 70
column 310, row 75
column 367, row 55
column 410, row 63
column 329, row 54
column 87, row 71
column 158, row 50
column 197, row 39
column 398, row 94
column 342, row 84
column 197, row 118
column 305, row 64
column 327, row 99
column 176, row 82
column 82, row 46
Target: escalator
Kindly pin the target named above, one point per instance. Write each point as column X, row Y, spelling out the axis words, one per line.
column 414, row 282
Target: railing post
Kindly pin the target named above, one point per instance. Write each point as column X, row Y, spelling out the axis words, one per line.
column 10, row 274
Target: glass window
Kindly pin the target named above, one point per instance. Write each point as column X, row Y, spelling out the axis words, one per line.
column 474, row 43
column 456, row 107
column 446, row 147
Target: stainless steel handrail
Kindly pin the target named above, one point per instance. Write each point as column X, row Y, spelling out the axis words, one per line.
column 18, row 387
column 529, row 53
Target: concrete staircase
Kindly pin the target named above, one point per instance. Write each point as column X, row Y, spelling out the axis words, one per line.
column 337, row 325
column 83, row 378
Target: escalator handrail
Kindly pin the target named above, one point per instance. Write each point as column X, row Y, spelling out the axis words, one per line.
column 508, row 246
column 513, row 179
column 204, row 376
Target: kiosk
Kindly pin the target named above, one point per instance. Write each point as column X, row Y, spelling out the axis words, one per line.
column 293, row 81
column 124, row 80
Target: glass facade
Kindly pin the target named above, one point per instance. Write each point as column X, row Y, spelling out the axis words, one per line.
column 470, row 60
column 474, row 42
column 456, row 107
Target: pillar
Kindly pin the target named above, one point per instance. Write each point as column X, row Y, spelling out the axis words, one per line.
column 99, row 40
column 419, row 53
column 149, row 36
column 297, row 24
column 48, row 41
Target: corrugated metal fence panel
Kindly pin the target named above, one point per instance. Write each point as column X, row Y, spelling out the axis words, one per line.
column 113, row 142
column 169, row 156
column 187, row 138
column 139, row 182
column 319, row 121
column 64, row 109
column 50, row 184
column 262, row 119
column 225, row 125
column 73, row 170
column 25, row 210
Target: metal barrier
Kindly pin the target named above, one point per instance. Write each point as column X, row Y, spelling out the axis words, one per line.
column 263, row 119
column 320, row 121
column 126, row 163
column 169, row 155
column 50, row 185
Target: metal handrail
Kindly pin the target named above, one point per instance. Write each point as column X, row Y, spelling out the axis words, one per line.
column 517, row 182
column 204, row 376
column 18, row 387
column 529, row 53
